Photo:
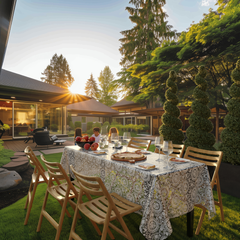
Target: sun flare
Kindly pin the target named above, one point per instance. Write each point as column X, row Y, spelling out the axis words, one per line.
column 73, row 89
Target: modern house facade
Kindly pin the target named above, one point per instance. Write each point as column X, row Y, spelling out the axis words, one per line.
column 26, row 104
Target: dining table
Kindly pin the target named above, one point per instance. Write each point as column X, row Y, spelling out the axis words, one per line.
column 162, row 193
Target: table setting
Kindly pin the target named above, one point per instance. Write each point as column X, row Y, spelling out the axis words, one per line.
column 165, row 189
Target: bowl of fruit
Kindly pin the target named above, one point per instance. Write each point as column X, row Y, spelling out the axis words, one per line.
column 86, row 143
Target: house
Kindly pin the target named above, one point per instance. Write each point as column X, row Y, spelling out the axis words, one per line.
column 26, row 104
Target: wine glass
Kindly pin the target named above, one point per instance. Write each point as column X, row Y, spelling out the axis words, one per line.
column 102, row 142
column 159, row 144
column 167, row 148
column 115, row 138
column 127, row 138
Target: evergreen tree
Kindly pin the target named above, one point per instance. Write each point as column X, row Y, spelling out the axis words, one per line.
column 91, row 88
column 149, row 31
column 231, row 134
column 58, row 72
column 199, row 132
column 170, row 129
column 107, row 93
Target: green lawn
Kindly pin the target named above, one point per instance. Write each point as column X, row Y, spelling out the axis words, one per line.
column 12, row 218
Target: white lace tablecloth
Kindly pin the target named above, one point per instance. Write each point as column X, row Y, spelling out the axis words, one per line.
column 163, row 194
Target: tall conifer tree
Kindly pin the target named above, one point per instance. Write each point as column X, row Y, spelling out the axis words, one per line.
column 149, row 31
column 91, row 88
column 58, row 72
column 108, row 94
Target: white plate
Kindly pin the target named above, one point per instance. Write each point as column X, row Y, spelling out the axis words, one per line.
column 143, row 152
column 146, row 164
column 98, row 152
column 182, row 159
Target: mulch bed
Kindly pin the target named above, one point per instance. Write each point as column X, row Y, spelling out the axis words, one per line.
column 12, row 195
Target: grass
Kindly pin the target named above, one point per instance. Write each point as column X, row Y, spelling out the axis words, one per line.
column 12, row 218
column 5, row 155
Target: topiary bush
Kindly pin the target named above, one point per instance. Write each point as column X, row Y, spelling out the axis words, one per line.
column 198, row 133
column 231, row 134
column 89, row 125
column 171, row 122
column 78, row 124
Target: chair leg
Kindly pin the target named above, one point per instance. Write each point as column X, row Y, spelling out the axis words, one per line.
column 106, row 224
column 64, row 208
column 29, row 192
column 200, row 221
column 73, row 223
column 43, row 209
column 220, row 198
column 125, row 228
column 31, row 196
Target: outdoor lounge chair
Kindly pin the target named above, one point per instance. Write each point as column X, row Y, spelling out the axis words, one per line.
column 43, row 138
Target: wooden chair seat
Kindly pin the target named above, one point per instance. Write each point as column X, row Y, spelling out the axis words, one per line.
column 178, row 150
column 96, row 210
column 139, row 143
column 102, row 210
column 212, row 159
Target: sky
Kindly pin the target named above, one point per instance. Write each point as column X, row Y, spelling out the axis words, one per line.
column 85, row 32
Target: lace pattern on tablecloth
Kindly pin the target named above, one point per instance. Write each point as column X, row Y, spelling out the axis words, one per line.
column 162, row 196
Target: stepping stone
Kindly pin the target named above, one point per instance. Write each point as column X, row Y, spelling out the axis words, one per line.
column 18, row 166
column 19, row 154
column 19, row 159
column 9, row 179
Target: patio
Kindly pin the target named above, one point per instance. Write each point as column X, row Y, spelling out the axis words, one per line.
column 20, row 145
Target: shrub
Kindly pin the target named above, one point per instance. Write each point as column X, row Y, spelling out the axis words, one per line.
column 54, row 127
column 89, row 126
column 97, row 124
column 171, row 122
column 231, row 134
column 78, row 124
column 198, row 133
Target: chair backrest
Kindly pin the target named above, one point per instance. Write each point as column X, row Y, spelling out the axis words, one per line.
column 42, row 138
column 178, row 150
column 91, row 185
column 38, row 130
column 139, row 143
column 35, row 162
column 56, row 173
column 78, row 132
column 210, row 158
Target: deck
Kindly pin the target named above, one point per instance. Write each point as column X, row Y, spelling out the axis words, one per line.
column 20, row 145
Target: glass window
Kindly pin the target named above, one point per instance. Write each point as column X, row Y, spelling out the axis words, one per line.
column 127, row 121
column 50, row 116
column 6, row 117
column 24, row 118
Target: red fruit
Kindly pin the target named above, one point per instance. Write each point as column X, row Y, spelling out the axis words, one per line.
column 94, row 146
column 91, row 139
column 78, row 139
column 87, row 146
column 86, row 138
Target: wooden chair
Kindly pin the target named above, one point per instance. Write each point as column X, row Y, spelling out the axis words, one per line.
column 210, row 158
column 104, row 209
column 139, row 143
column 63, row 192
column 39, row 176
column 178, row 150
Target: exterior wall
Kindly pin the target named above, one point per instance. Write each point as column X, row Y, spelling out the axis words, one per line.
column 22, row 117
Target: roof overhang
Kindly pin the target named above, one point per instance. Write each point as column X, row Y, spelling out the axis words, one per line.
column 7, row 8
column 22, row 94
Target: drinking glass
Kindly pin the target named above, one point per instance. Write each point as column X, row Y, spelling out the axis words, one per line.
column 127, row 138
column 115, row 139
column 159, row 144
column 101, row 142
column 167, row 149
